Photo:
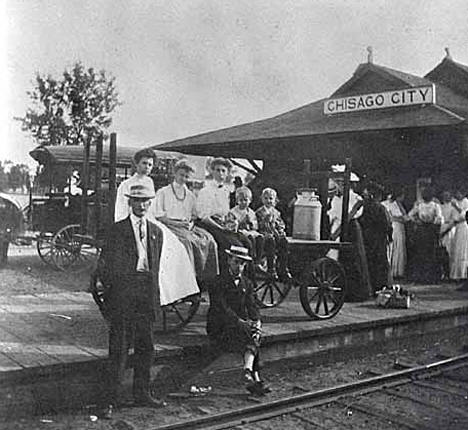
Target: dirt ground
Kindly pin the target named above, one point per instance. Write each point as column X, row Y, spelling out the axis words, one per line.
column 26, row 273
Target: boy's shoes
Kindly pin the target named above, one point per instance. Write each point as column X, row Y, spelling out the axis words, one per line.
column 285, row 276
column 273, row 274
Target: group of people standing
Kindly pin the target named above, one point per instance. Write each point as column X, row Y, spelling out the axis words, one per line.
column 426, row 244
column 430, row 242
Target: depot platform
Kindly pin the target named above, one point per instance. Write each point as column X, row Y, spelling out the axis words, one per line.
column 53, row 347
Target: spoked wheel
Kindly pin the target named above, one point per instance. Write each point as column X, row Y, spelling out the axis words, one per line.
column 71, row 253
column 45, row 248
column 178, row 314
column 270, row 292
column 323, row 288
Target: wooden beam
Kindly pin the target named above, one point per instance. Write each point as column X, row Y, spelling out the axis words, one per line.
column 247, row 169
column 112, row 177
column 254, row 165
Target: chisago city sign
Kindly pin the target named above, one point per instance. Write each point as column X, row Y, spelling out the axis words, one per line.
column 387, row 99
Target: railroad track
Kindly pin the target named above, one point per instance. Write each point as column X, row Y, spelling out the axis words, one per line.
column 422, row 397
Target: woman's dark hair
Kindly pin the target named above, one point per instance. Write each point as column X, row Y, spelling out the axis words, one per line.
column 374, row 190
column 144, row 153
column 427, row 194
column 397, row 191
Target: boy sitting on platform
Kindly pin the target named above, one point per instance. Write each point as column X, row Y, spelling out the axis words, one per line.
column 272, row 226
column 247, row 221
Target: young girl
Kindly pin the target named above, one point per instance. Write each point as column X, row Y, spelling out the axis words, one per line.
column 247, row 221
column 272, row 226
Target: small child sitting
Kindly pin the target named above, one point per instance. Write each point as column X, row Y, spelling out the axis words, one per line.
column 272, row 226
column 247, row 221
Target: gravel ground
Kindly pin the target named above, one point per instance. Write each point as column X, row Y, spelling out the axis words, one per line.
column 26, row 273
column 286, row 378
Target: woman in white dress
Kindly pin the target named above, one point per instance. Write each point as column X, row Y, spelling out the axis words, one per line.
column 447, row 230
column 395, row 208
column 459, row 250
column 175, row 206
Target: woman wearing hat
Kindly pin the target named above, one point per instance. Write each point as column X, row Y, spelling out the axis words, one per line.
column 175, row 207
column 233, row 320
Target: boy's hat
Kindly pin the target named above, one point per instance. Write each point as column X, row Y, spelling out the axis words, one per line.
column 140, row 191
column 239, row 252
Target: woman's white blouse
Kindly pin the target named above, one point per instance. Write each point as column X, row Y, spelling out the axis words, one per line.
column 213, row 200
column 168, row 205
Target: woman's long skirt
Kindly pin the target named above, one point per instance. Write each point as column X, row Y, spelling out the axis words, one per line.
column 459, row 252
column 426, row 267
column 202, row 250
column 398, row 250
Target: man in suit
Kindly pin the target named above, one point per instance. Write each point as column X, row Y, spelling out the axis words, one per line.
column 129, row 268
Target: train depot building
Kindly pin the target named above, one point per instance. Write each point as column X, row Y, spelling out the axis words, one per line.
column 396, row 127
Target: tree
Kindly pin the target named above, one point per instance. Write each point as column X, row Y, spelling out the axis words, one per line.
column 66, row 111
column 18, row 177
column 3, row 178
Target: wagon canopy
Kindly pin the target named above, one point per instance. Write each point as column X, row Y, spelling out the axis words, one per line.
column 11, row 214
column 73, row 154
column 310, row 132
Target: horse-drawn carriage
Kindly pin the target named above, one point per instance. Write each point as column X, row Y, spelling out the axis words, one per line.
column 70, row 220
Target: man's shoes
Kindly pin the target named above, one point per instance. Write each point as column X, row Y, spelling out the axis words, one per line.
column 147, row 400
column 257, row 388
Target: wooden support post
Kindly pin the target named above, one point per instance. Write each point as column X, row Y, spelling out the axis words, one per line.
column 344, row 211
column 85, row 185
column 323, row 194
column 306, row 180
column 98, row 185
column 112, row 177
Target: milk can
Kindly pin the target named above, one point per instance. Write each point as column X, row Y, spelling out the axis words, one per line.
column 307, row 215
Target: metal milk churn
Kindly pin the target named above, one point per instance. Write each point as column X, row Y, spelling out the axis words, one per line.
column 307, row 215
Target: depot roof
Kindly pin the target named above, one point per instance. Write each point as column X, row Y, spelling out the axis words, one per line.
column 309, row 121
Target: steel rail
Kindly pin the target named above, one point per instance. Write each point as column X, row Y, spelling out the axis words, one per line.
column 267, row 410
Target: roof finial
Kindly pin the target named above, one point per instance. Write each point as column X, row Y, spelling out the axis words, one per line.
column 447, row 54
column 370, row 55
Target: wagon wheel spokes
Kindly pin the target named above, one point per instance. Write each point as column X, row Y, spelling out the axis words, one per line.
column 270, row 293
column 72, row 253
column 323, row 292
column 45, row 249
column 179, row 314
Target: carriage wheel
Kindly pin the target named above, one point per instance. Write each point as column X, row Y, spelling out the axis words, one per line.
column 178, row 314
column 45, row 248
column 71, row 253
column 270, row 292
column 323, row 288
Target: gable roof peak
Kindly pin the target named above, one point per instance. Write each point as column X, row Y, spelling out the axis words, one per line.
column 447, row 54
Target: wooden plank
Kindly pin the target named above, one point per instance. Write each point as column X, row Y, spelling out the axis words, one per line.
column 7, row 364
column 42, row 343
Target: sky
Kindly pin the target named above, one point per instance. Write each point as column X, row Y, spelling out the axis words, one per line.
column 183, row 67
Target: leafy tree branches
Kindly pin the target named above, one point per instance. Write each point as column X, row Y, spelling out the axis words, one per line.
column 66, row 111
